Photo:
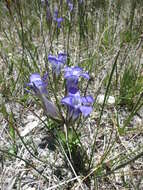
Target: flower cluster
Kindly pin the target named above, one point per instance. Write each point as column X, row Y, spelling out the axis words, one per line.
column 55, row 17
column 76, row 104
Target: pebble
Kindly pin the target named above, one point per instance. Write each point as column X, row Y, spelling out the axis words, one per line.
column 110, row 100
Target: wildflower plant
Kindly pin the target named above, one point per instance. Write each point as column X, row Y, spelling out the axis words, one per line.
column 30, row 30
column 76, row 104
column 67, row 109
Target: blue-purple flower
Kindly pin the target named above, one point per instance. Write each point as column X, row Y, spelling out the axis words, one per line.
column 78, row 105
column 70, row 5
column 57, row 62
column 39, row 85
column 59, row 20
column 72, row 75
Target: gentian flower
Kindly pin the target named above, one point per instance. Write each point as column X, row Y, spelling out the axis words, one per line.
column 57, row 62
column 56, row 18
column 39, row 85
column 62, row 57
column 72, row 75
column 59, row 21
column 70, row 5
column 77, row 105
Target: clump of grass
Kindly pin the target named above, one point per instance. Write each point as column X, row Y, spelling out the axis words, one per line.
column 129, row 36
column 130, row 86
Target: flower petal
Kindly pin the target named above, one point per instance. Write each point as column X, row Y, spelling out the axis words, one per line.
column 86, row 110
column 59, row 20
column 52, row 59
column 37, row 84
column 50, row 108
column 75, row 71
column 72, row 89
column 57, row 63
column 85, row 75
column 87, row 100
column 73, row 113
column 74, row 94
column 67, row 101
column 35, row 78
column 62, row 57
column 72, row 83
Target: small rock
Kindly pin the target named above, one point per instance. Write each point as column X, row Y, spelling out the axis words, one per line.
column 29, row 127
column 137, row 121
column 110, row 100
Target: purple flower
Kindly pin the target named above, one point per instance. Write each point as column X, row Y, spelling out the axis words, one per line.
column 62, row 57
column 70, row 5
column 78, row 105
column 57, row 62
column 72, row 75
column 57, row 19
column 50, row 108
column 39, row 85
